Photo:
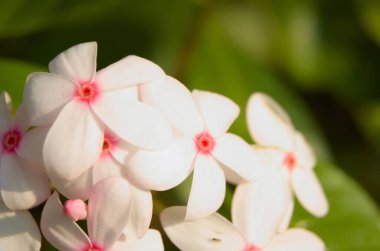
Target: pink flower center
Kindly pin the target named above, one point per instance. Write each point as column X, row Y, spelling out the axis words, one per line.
column 11, row 140
column 93, row 247
column 251, row 247
column 204, row 143
column 87, row 92
column 290, row 161
column 109, row 143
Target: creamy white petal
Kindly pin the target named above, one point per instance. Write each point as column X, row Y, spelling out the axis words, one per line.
column 131, row 70
column 270, row 157
column 268, row 123
column 108, row 211
column 23, row 185
column 175, row 101
column 45, row 94
column 304, row 153
column 32, row 144
column 60, row 230
column 73, row 143
column 106, row 167
column 133, row 121
column 218, row 111
column 78, row 188
column 151, row 241
column 77, row 62
column 122, row 152
column 18, row 230
column 309, row 192
column 162, row 169
column 5, row 116
column 236, row 154
column 207, row 190
column 296, row 239
column 210, row 233
column 140, row 213
column 259, row 207
column 20, row 119
column 288, row 216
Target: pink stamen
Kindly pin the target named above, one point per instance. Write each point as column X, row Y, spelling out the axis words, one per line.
column 87, row 92
column 11, row 140
column 204, row 143
column 290, row 161
column 75, row 209
column 93, row 247
column 251, row 247
column 109, row 144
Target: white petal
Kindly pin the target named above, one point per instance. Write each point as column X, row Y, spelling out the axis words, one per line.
column 259, row 207
column 106, row 167
column 18, row 230
column 133, row 121
column 210, row 233
column 60, row 230
column 236, row 154
column 218, row 111
column 78, row 188
column 309, row 192
column 140, row 213
column 268, row 123
column 151, row 241
column 32, row 144
column 44, row 96
column 162, row 169
column 296, row 239
column 5, row 117
column 108, row 211
column 77, row 62
column 288, row 216
column 20, row 119
column 73, row 143
column 128, row 71
column 175, row 101
column 22, row 185
column 207, row 190
column 304, row 153
column 122, row 152
column 270, row 157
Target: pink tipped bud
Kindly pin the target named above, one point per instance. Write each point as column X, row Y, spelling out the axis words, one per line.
column 75, row 209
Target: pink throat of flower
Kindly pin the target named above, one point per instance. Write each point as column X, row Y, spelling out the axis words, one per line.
column 93, row 247
column 109, row 144
column 87, row 92
column 251, row 247
column 204, row 143
column 290, row 161
column 11, row 140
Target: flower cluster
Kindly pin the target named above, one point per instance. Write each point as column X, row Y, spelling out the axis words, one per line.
column 105, row 139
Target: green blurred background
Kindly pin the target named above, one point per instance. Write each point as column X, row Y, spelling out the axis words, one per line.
column 319, row 59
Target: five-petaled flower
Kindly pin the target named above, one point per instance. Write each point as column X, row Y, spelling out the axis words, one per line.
column 79, row 103
column 216, row 233
column 287, row 151
column 23, row 180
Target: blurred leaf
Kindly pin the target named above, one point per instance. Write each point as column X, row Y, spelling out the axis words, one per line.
column 13, row 75
column 21, row 17
column 369, row 12
column 353, row 221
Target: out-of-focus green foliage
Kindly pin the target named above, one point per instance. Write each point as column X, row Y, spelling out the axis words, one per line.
column 318, row 59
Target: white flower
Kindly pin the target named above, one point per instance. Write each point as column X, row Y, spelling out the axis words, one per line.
column 111, row 162
column 287, row 150
column 200, row 120
column 18, row 230
column 79, row 102
column 107, row 216
column 218, row 234
column 23, row 182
